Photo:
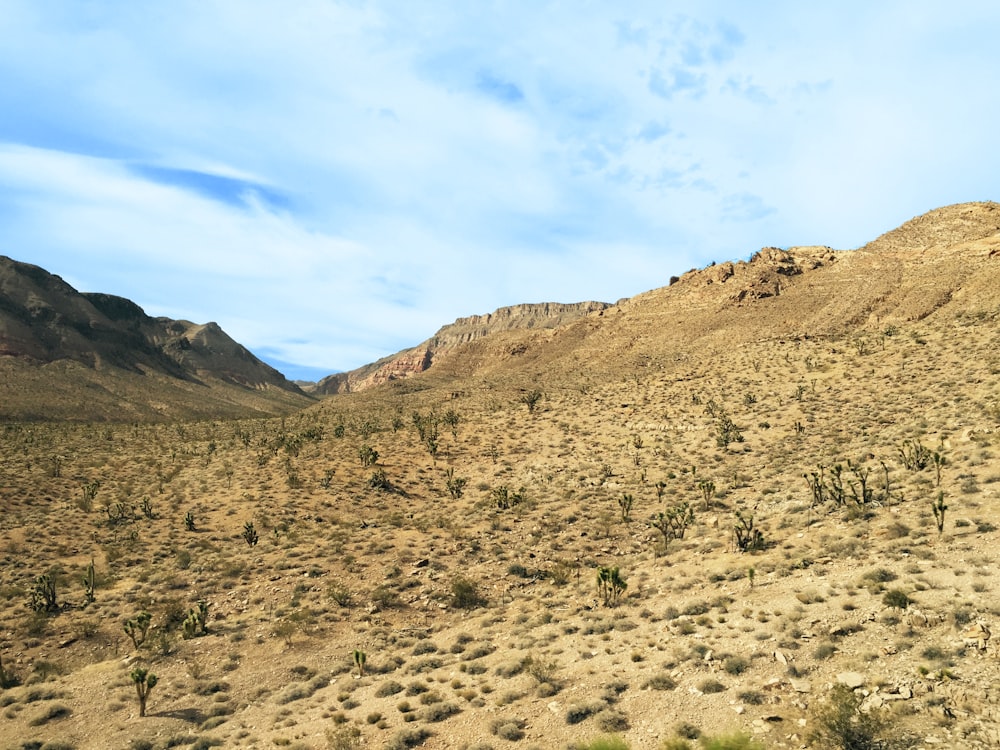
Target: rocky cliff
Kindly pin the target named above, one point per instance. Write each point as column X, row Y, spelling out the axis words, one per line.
column 525, row 317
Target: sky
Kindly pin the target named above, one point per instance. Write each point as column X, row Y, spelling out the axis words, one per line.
column 332, row 181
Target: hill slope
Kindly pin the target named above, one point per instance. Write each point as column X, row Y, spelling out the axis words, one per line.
column 68, row 355
column 409, row 362
column 791, row 466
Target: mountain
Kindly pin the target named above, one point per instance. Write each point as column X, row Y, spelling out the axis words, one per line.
column 525, row 317
column 67, row 354
column 758, row 506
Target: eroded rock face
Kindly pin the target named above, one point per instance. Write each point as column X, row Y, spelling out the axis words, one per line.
column 409, row 362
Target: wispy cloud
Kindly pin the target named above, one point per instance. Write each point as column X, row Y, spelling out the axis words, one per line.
column 333, row 180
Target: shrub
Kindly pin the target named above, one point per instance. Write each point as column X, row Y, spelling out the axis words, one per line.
column 438, row 711
column 508, row 728
column 465, row 594
column 735, row 741
column 407, row 738
column 896, row 598
column 711, row 686
column 839, row 724
column 661, row 681
column 611, row 720
column 577, row 712
column 388, row 688
column 610, row 742
column 736, row 665
column 49, row 713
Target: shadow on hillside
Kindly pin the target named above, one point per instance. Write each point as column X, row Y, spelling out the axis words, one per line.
column 191, row 715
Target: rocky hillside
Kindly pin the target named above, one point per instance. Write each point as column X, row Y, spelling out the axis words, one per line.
column 945, row 262
column 68, row 354
column 527, row 317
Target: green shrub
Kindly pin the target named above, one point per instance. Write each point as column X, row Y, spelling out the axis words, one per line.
column 609, row 742
column 465, row 594
column 736, row 665
column 896, row 598
column 711, row 686
column 508, row 728
column 661, row 681
column 737, row 741
column 407, row 738
column 49, row 713
column 388, row 688
column 839, row 724
column 578, row 712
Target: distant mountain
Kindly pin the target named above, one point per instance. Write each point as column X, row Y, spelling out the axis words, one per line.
column 525, row 317
column 71, row 355
column 944, row 262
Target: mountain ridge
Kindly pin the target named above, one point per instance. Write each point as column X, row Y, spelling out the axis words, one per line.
column 44, row 320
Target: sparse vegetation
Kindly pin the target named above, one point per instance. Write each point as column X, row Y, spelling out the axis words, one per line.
column 484, row 587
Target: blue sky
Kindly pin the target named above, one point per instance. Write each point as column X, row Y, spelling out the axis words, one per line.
column 333, row 181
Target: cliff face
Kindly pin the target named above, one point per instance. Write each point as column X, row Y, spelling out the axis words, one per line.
column 525, row 317
column 44, row 321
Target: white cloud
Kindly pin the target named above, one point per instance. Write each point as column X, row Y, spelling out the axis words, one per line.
column 427, row 162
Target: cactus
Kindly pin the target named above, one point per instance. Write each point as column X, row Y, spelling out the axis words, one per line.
column 189, row 521
column 360, row 657
column 137, row 628
column 89, row 582
column 144, row 682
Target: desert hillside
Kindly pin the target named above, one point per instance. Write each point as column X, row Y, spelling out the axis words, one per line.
column 71, row 355
column 757, row 506
column 413, row 361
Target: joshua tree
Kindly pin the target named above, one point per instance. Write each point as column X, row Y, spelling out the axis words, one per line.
column 196, row 622
column 137, row 627
column 43, row 594
column 250, row 535
column 939, row 508
column 939, row 462
column 144, row 681
column 625, row 503
column 531, row 399
column 368, row 455
column 455, row 485
column 610, row 585
column 748, row 538
column 360, row 657
column 89, row 583
column 707, row 487
column 673, row 522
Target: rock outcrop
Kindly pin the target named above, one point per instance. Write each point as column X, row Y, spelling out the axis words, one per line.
column 526, row 317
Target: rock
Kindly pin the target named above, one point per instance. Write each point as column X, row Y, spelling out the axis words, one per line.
column 853, row 680
column 976, row 635
column 780, row 658
column 801, row 686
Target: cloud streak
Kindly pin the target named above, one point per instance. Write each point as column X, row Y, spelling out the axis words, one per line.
column 332, row 181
